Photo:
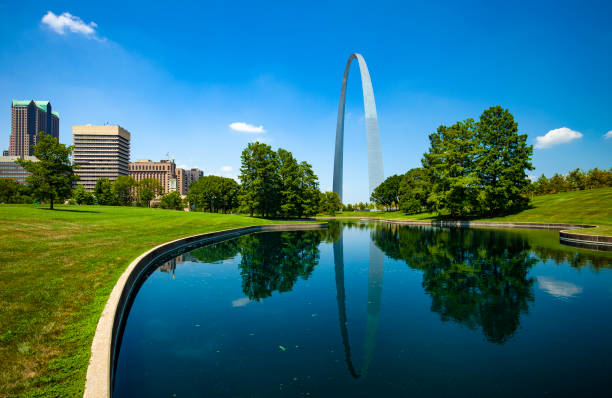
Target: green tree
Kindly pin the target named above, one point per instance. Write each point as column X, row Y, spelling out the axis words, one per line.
column 289, row 177
column 558, row 183
column 501, row 162
column 541, row 186
column 260, row 180
column 53, row 174
column 214, row 194
column 81, row 196
column 13, row 192
column 329, row 203
column 147, row 190
column 387, row 193
column 450, row 163
column 413, row 191
column 309, row 191
column 123, row 190
column 104, row 193
column 598, row 178
column 171, row 201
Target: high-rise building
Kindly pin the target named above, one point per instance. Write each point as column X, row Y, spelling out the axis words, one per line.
column 163, row 171
column 184, row 178
column 100, row 152
column 28, row 118
column 10, row 169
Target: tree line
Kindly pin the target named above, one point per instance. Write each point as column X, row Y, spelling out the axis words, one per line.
column 575, row 180
column 273, row 184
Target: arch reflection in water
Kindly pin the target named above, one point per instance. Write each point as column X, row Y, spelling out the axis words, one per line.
column 375, row 279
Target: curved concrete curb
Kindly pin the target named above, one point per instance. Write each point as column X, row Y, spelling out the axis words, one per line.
column 595, row 242
column 98, row 382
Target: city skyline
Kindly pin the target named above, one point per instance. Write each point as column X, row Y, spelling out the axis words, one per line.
column 207, row 84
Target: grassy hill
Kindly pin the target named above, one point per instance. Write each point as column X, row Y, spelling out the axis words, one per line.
column 593, row 206
column 57, row 269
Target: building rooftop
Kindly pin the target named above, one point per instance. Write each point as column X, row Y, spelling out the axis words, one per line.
column 7, row 159
column 42, row 105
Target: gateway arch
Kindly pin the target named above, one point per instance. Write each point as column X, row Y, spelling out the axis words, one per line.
column 375, row 164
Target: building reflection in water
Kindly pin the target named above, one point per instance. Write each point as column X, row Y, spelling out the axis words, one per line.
column 169, row 267
column 375, row 279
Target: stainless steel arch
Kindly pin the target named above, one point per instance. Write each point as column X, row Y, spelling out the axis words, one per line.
column 375, row 164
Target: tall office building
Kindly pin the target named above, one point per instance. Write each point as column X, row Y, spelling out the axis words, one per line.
column 28, row 118
column 163, row 171
column 100, row 152
column 9, row 168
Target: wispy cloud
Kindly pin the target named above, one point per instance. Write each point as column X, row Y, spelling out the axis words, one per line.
column 67, row 22
column 608, row 135
column 226, row 169
column 246, row 128
column 556, row 137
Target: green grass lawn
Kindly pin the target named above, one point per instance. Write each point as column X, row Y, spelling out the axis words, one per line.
column 593, row 206
column 57, row 269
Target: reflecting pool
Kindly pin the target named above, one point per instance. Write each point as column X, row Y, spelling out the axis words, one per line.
column 371, row 309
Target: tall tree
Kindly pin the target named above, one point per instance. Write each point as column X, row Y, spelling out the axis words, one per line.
column 214, row 194
column 387, row 193
column 414, row 190
column 123, row 190
column 289, row 177
column 450, row 163
column 104, row 193
column 172, row 201
column 309, row 191
column 147, row 190
column 53, row 174
column 13, row 192
column 81, row 196
column 501, row 162
column 330, row 203
column 260, row 180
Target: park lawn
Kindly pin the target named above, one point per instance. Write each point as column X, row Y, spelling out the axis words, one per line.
column 593, row 206
column 57, row 269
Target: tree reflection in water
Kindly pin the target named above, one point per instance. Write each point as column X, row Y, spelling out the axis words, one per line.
column 477, row 278
column 275, row 261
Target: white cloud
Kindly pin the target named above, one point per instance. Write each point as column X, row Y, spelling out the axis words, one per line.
column 68, row 22
column 246, row 128
column 241, row 302
column 556, row 137
column 226, row 169
column 608, row 135
column 559, row 289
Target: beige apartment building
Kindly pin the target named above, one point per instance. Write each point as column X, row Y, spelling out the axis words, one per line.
column 163, row 171
column 100, row 152
column 170, row 177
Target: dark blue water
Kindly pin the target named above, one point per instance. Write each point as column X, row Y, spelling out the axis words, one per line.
column 373, row 310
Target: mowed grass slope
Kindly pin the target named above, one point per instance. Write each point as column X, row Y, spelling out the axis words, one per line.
column 57, row 269
column 593, row 206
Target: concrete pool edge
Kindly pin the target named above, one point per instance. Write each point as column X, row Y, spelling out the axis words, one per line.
column 99, row 370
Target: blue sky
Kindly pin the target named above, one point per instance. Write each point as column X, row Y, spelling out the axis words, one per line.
column 177, row 75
